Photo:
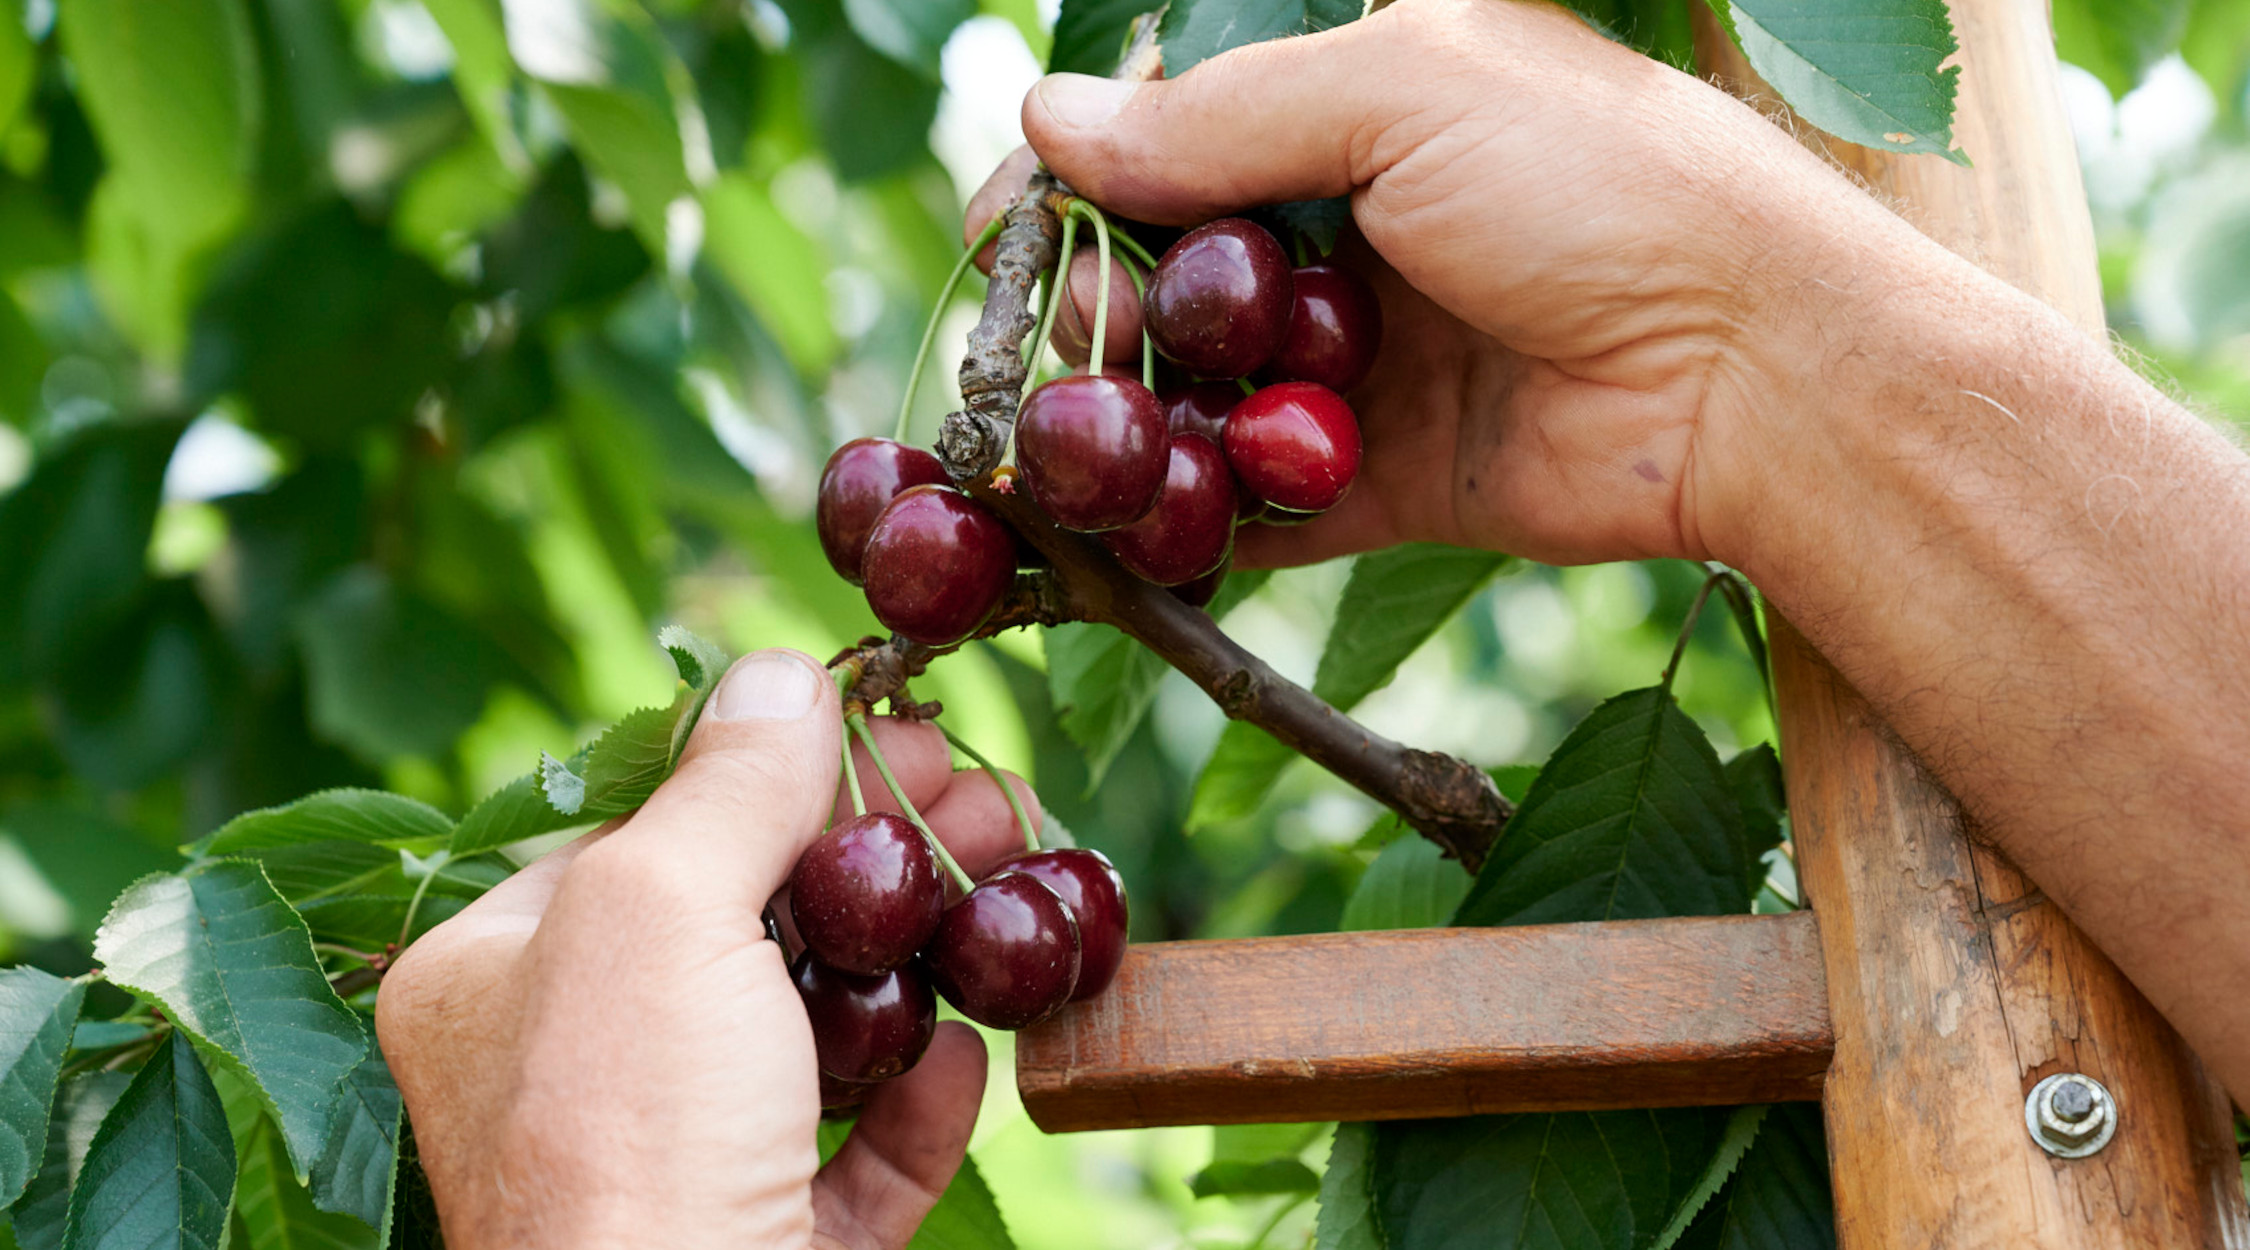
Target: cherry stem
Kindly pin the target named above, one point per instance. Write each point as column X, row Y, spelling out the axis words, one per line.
column 851, row 778
column 1126, row 240
column 1086, row 209
column 858, row 724
column 1058, row 290
column 985, row 237
column 1000, row 779
column 1247, row 389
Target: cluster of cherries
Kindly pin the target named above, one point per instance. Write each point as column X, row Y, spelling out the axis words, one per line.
column 1162, row 479
column 871, row 906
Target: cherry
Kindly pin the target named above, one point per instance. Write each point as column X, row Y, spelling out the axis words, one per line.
column 1190, row 530
column 1200, row 592
column 937, row 565
column 1007, row 954
column 867, row 893
column 1294, row 445
column 1335, row 326
column 838, row 1095
column 1092, row 450
column 1219, row 300
column 865, row 1029
column 1201, row 408
column 861, row 479
column 1095, row 892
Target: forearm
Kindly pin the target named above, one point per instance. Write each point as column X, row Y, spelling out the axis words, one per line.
column 2038, row 569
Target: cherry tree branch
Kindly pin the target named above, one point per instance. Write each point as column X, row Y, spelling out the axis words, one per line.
column 1450, row 801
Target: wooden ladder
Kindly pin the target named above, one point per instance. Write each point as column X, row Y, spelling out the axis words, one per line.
column 1924, row 995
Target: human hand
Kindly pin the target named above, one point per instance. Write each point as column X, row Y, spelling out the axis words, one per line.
column 606, row 1050
column 1594, row 269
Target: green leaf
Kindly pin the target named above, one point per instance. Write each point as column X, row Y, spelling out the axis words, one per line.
column 700, row 663
column 323, row 870
column 1233, row 1178
column 391, row 673
column 1409, row 886
column 37, row 1013
column 1573, row 1181
column 1103, row 684
column 1741, row 1130
column 776, row 268
column 161, row 1168
column 276, row 1213
column 1317, row 222
column 2119, row 40
column 1657, row 28
column 1194, row 31
column 221, row 952
column 512, row 813
column 1755, row 778
column 911, row 32
column 172, row 89
column 634, row 756
column 1632, row 817
column 87, row 856
column 1090, row 34
column 19, row 65
column 358, row 1169
column 1347, row 1197
column 74, row 542
column 1395, row 601
column 873, row 114
column 965, row 1217
column 80, row 1107
column 374, row 817
column 1862, row 70
column 1778, row 1198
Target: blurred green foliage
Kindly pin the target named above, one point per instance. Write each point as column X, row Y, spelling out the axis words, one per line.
column 376, row 376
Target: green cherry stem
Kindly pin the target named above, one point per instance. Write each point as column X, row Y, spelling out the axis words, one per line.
column 1247, row 389
column 952, row 866
column 851, row 778
column 1023, row 818
column 985, row 237
column 1086, row 209
column 1126, row 240
column 1058, row 285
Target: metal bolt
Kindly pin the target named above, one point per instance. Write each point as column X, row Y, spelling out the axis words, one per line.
column 2070, row 1115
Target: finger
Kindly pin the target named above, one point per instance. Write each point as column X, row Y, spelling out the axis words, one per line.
column 755, row 785
column 918, row 757
column 1288, row 119
column 974, row 821
column 1003, row 188
column 1357, row 524
column 1073, row 335
column 905, row 1149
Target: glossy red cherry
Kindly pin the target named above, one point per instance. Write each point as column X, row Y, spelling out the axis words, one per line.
column 1007, row 954
column 1200, row 592
column 1190, row 530
column 861, row 479
column 1201, row 408
column 838, row 1095
column 1335, row 327
column 937, row 565
column 1219, row 300
column 1092, row 451
column 867, row 893
column 1294, row 445
column 1095, row 893
column 866, row 1029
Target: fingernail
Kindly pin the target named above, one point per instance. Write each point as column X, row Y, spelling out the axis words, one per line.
column 767, row 685
column 1081, row 100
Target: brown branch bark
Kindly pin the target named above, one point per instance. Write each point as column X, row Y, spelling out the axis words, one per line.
column 1450, row 801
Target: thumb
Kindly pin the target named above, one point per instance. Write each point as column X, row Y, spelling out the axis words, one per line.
column 756, row 782
column 1288, row 119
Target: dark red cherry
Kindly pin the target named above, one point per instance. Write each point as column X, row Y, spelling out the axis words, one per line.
column 1201, row 408
column 1335, row 327
column 1190, row 530
column 1092, row 450
column 1200, row 592
column 1095, row 893
column 937, row 564
column 867, row 893
column 838, row 1095
column 861, row 479
column 866, row 1029
column 1294, row 445
column 1219, row 300
column 1007, row 954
